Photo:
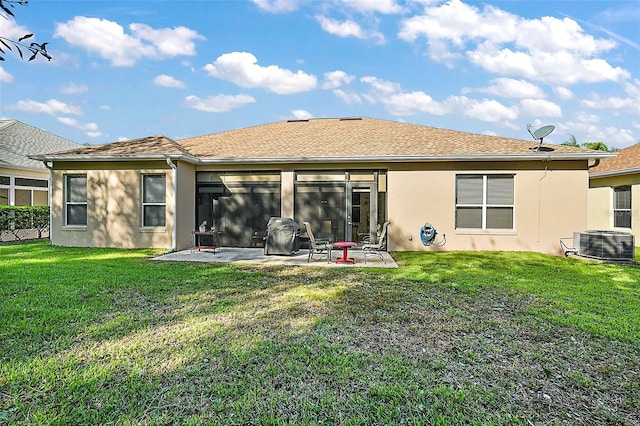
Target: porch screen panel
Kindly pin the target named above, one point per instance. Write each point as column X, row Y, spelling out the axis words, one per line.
column 323, row 206
column 238, row 204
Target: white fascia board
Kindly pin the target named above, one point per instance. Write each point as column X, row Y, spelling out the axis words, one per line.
column 116, row 157
column 401, row 158
column 635, row 170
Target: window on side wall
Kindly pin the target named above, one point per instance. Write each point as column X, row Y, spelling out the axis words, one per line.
column 622, row 207
column 75, row 200
column 154, row 200
column 484, row 202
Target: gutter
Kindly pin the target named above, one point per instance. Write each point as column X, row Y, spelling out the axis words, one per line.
column 174, row 228
column 407, row 158
column 116, row 157
column 615, row 173
column 49, row 166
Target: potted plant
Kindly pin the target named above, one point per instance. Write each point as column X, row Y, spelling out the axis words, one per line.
column 203, row 226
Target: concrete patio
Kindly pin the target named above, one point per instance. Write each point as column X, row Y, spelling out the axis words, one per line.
column 256, row 256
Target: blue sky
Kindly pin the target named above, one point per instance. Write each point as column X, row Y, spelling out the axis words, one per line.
column 128, row 69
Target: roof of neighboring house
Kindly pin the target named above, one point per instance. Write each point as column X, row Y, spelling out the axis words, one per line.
column 19, row 141
column 332, row 140
column 627, row 161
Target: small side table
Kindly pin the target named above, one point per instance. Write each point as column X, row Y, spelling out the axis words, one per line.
column 344, row 245
column 195, row 240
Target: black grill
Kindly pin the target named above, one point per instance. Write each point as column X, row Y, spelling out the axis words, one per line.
column 283, row 236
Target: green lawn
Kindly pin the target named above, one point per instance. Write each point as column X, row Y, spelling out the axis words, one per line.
column 101, row 336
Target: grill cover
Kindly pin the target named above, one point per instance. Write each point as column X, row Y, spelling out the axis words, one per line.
column 283, row 236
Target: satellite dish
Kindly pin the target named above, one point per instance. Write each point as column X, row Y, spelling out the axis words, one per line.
column 541, row 133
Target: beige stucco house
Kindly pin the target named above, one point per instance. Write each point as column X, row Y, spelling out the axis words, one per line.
column 614, row 193
column 344, row 176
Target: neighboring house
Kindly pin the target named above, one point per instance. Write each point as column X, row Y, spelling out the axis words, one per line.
column 344, row 176
column 24, row 181
column 614, row 193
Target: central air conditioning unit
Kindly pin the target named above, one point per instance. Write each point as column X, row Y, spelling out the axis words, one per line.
column 605, row 245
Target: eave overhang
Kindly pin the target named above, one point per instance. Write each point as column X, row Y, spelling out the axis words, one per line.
column 117, row 157
column 534, row 156
column 611, row 173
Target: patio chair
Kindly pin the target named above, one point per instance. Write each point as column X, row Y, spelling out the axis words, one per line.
column 376, row 249
column 317, row 246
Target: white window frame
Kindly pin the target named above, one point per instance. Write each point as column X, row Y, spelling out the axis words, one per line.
column 68, row 203
column 144, row 203
column 615, row 210
column 485, row 205
column 13, row 186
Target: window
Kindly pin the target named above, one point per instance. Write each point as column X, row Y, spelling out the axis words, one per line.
column 484, row 201
column 622, row 207
column 75, row 200
column 154, row 205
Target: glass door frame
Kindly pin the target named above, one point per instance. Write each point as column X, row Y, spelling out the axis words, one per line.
column 356, row 186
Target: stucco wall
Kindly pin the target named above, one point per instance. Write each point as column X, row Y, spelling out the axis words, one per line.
column 185, row 207
column 114, row 207
column 549, row 204
column 600, row 203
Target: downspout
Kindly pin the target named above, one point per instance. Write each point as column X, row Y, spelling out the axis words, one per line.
column 49, row 166
column 546, row 169
column 595, row 164
column 174, row 230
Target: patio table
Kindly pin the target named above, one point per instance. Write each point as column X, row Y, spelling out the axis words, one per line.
column 195, row 240
column 344, row 245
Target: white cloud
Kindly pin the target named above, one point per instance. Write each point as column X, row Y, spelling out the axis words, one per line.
column 540, row 108
column 368, row 6
column 301, row 114
column 74, row 89
column 242, row 69
column 348, row 28
column 90, row 129
column 335, row 79
column 218, row 103
column 12, row 30
column 348, row 97
column 511, row 88
column 277, row 6
column 488, row 110
column 563, row 93
column 5, row 77
column 589, row 129
column 412, row 103
column 168, row 81
column 548, row 49
column 382, row 86
column 108, row 40
column 341, row 28
column 51, row 107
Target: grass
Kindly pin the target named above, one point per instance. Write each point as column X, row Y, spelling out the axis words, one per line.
column 101, row 336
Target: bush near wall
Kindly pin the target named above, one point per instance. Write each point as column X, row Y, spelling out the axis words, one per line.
column 23, row 222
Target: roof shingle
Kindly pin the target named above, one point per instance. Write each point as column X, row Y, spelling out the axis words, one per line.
column 627, row 160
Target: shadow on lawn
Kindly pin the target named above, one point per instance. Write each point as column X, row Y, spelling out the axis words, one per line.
column 444, row 339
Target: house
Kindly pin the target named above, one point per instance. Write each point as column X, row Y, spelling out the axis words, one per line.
column 24, row 181
column 614, row 193
column 345, row 176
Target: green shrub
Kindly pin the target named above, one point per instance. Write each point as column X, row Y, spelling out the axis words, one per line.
column 19, row 220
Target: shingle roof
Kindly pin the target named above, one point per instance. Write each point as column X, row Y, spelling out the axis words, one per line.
column 149, row 145
column 627, row 161
column 354, row 139
column 18, row 141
